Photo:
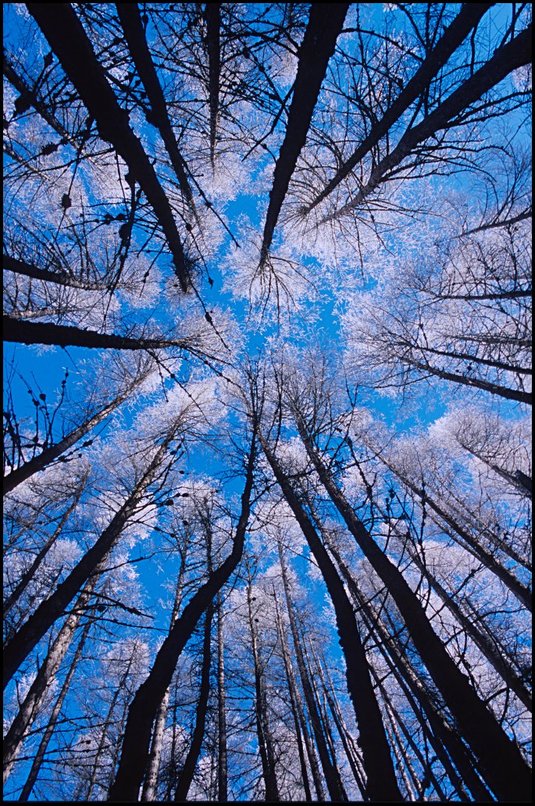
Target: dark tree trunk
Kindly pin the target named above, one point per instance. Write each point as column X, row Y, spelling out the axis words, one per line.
column 67, row 336
column 48, row 455
column 222, row 771
column 29, row 708
column 67, row 38
column 290, row 682
column 188, row 769
column 263, row 730
column 29, row 270
column 212, row 15
column 504, row 768
column 28, row 575
column 324, row 26
column 51, row 724
column 134, row 32
column 381, row 780
column 143, row 709
column 467, row 19
column 507, row 58
column 35, row 627
column 444, row 743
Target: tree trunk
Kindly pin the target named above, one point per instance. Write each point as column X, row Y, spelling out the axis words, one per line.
column 29, row 270
column 294, row 706
column 222, row 772
column 67, row 38
column 507, row 58
column 212, row 15
column 324, row 26
column 66, row 336
column 188, row 769
column 35, row 627
column 130, row 18
column 144, row 706
column 467, row 19
column 153, row 767
column 263, row 730
column 51, row 724
column 505, row 770
column 439, row 735
column 29, row 709
column 48, row 455
column 28, row 575
column 381, row 780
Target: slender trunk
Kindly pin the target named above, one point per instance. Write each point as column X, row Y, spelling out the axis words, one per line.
column 505, row 770
column 469, row 358
column 35, row 627
column 507, row 58
column 222, row 772
column 212, row 15
column 290, row 682
column 439, row 735
column 65, row 336
column 188, row 769
column 522, row 593
column 487, row 386
column 519, row 480
column 151, row 779
column 48, row 455
column 32, row 99
column 144, row 707
column 29, row 270
column 489, row 648
column 51, row 724
column 28, row 575
column 29, row 708
column 381, row 779
column 263, row 730
column 467, row 19
column 67, row 38
column 130, row 18
column 324, row 26
column 96, row 778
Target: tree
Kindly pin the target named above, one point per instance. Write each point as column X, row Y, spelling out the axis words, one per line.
column 267, row 325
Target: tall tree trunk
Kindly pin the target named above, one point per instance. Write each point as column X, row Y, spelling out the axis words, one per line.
column 153, row 767
column 442, row 739
column 66, row 336
column 467, row 19
column 51, row 724
column 144, row 707
column 29, row 574
column 489, row 648
column 222, row 771
column 294, row 706
column 67, row 38
column 48, row 455
column 132, row 25
column 35, row 627
column 468, row 542
column 29, row 709
column 381, row 779
column 505, row 770
column 212, row 15
column 188, row 769
column 29, row 270
column 324, row 26
column 507, row 58
column 263, row 730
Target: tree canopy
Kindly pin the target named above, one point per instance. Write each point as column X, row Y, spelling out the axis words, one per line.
column 267, row 390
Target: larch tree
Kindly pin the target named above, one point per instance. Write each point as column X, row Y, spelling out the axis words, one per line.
column 267, row 326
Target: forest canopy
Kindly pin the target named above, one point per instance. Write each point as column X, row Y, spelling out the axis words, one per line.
column 267, row 396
